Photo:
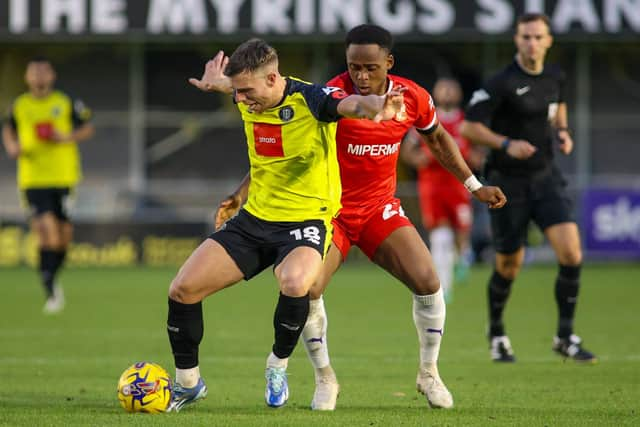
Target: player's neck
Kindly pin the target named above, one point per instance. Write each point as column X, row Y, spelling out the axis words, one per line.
column 384, row 88
column 40, row 93
column 279, row 89
column 446, row 108
column 530, row 66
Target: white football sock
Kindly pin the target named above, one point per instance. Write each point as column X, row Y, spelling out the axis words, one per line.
column 314, row 334
column 429, row 312
column 443, row 252
column 274, row 361
column 188, row 377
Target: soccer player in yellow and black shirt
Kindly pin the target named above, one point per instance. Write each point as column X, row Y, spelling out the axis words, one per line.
column 294, row 193
column 42, row 132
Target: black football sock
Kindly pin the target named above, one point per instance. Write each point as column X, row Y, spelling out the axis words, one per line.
column 59, row 258
column 567, row 285
column 47, row 273
column 498, row 292
column 185, row 327
column 288, row 321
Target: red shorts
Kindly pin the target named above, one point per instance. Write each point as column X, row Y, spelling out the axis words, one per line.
column 367, row 227
column 444, row 205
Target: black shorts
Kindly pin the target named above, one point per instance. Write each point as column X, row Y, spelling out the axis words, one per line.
column 42, row 200
column 255, row 244
column 541, row 197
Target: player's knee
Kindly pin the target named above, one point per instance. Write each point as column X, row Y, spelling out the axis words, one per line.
column 293, row 284
column 508, row 268
column 427, row 282
column 183, row 290
column 570, row 257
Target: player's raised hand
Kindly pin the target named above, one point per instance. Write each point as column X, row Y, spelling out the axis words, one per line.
column 213, row 78
column 492, row 196
column 393, row 105
column 521, row 149
column 566, row 142
column 226, row 209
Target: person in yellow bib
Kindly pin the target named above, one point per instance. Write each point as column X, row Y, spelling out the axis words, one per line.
column 294, row 193
column 42, row 130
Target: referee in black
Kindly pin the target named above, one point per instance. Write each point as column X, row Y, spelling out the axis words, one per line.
column 518, row 114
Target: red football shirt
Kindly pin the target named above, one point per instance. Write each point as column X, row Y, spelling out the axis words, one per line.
column 368, row 151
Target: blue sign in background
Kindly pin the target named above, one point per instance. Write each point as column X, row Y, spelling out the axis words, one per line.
column 611, row 220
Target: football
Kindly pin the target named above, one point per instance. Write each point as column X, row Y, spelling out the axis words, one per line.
column 145, row 387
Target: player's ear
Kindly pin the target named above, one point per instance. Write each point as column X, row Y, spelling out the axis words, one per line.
column 271, row 79
column 549, row 41
column 390, row 61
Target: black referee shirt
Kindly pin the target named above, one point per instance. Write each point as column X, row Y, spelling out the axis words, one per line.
column 520, row 106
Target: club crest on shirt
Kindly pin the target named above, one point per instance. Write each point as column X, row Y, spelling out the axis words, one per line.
column 285, row 113
column 55, row 111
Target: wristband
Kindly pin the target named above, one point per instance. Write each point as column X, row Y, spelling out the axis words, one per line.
column 505, row 144
column 472, row 184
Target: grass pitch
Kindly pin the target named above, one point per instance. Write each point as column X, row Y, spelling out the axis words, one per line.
column 62, row 370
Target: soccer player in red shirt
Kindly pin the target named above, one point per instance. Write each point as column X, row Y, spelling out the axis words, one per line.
column 371, row 216
column 444, row 202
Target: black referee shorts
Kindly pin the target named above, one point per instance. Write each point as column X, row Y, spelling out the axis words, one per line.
column 42, row 200
column 541, row 197
column 255, row 244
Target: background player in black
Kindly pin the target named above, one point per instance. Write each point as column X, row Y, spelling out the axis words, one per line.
column 516, row 115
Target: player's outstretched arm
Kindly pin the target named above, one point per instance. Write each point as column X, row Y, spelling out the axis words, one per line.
column 10, row 141
column 446, row 151
column 478, row 133
column 229, row 206
column 81, row 133
column 213, row 78
column 374, row 107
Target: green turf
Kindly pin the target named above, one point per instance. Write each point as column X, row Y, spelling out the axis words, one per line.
column 63, row 370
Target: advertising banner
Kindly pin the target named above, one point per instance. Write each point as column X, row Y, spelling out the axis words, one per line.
column 611, row 219
column 110, row 244
column 445, row 20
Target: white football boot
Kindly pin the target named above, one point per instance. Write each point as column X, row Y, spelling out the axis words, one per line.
column 55, row 303
column 431, row 385
column 326, row 392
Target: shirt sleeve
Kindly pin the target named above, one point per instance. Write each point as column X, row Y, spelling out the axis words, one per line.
column 426, row 117
column 484, row 102
column 323, row 101
column 80, row 114
column 562, row 87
